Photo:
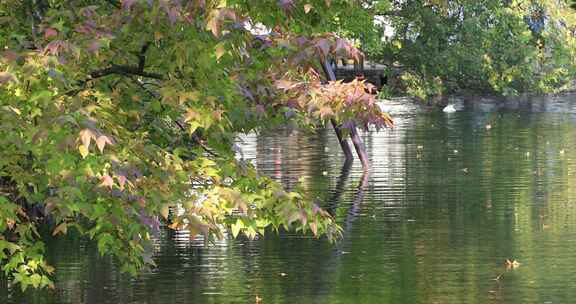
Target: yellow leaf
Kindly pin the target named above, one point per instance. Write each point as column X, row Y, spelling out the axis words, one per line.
column 157, row 36
column 314, row 228
column 192, row 96
column 62, row 228
column 16, row 110
column 220, row 50
column 236, row 227
column 83, row 151
column 307, row 8
column 165, row 211
column 191, row 115
column 213, row 24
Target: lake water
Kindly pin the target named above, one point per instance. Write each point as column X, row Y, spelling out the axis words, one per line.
column 450, row 198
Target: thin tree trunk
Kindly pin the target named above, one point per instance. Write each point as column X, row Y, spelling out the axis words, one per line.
column 356, row 140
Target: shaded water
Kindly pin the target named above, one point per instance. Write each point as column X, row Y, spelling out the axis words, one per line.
column 449, row 199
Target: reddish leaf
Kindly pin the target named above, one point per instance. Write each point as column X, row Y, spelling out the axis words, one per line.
column 106, row 181
column 54, row 47
column 94, row 46
column 6, row 77
column 284, row 84
column 121, row 181
column 286, row 4
column 127, row 4
column 10, row 56
column 102, row 141
column 50, row 32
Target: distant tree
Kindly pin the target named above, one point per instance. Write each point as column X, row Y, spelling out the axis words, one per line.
column 487, row 47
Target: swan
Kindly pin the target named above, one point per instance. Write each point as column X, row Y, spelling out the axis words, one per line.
column 449, row 109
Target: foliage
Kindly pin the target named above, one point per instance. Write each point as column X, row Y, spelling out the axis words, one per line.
column 120, row 116
column 491, row 46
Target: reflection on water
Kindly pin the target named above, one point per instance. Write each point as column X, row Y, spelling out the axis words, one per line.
column 450, row 198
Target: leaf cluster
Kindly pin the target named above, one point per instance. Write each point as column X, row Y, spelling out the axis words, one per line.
column 120, row 117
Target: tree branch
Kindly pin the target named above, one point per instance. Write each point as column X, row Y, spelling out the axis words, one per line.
column 125, row 70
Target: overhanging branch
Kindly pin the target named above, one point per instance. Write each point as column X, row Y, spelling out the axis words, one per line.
column 124, row 70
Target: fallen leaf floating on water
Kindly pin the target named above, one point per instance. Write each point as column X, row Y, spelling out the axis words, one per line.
column 512, row 264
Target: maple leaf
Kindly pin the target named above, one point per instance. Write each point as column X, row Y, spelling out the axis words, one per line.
column 102, row 141
column 325, row 111
column 50, row 32
column 121, row 180
column 54, row 47
column 86, row 135
column 127, row 4
column 284, row 84
column 10, row 56
column 286, row 4
column 324, row 46
column 6, row 77
column 106, row 181
column 217, row 17
column 173, row 14
column 94, row 46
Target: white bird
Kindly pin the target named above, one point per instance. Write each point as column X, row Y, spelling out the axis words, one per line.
column 449, row 109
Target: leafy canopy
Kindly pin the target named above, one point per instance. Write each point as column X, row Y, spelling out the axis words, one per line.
column 117, row 117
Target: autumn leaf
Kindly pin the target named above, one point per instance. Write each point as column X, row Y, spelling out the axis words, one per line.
column 236, row 227
column 62, row 228
column 102, row 141
column 50, row 32
column 325, row 112
column 86, row 135
column 286, row 4
column 284, row 84
column 220, row 50
column 216, row 18
column 314, row 228
column 307, row 8
column 106, row 181
column 165, row 211
column 127, row 4
column 83, row 151
column 6, row 77
column 121, row 180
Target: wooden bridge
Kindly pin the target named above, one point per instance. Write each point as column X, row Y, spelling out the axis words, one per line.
column 376, row 74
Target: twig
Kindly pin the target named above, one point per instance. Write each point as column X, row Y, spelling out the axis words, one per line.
column 197, row 140
column 124, row 70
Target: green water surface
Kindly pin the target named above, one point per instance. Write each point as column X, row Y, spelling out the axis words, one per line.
column 449, row 199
